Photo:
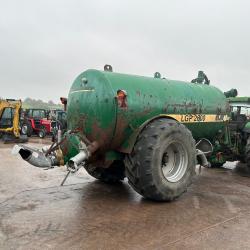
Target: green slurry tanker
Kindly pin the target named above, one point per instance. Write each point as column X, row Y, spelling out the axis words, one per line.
column 152, row 130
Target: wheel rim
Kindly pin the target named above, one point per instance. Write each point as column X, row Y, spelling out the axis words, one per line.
column 24, row 129
column 174, row 161
column 41, row 134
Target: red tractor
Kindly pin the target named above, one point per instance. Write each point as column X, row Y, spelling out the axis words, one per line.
column 36, row 121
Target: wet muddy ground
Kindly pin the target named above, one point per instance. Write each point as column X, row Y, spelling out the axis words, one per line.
column 36, row 213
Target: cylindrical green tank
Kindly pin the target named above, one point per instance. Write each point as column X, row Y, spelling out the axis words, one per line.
column 93, row 107
column 142, row 128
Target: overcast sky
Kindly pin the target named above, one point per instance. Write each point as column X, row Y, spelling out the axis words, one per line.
column 45, row 44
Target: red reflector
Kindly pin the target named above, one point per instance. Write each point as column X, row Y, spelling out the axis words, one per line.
column 122, row 98
column 121, row 93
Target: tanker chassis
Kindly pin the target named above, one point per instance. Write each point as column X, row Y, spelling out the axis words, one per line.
column 152, row 130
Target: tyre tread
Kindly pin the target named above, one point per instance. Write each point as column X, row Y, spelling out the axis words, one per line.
column 143, row 183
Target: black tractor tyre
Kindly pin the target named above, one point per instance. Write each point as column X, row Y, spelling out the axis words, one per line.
column 42, row 132
column 26, row 128
column 247, row 153
column 163, row 160
column 113, row 174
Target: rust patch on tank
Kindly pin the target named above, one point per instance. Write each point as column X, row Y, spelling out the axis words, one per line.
column 101, row 135
column 121, row 125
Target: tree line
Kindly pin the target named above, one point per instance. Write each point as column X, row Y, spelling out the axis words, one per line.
column 40, row 104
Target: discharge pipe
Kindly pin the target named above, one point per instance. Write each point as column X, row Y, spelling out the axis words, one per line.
column 48, row 157
column 75, row 162
column 203, row 148
column 202, row 157
column 78, row 160
column 35, row 156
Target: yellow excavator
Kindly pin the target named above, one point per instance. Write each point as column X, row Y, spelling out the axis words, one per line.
column 10, row 111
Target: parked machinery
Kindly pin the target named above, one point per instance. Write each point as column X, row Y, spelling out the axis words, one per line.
column 9, row 120
column 58, row 124
column 240, row 106
column 151, row 130
column 36, row 122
